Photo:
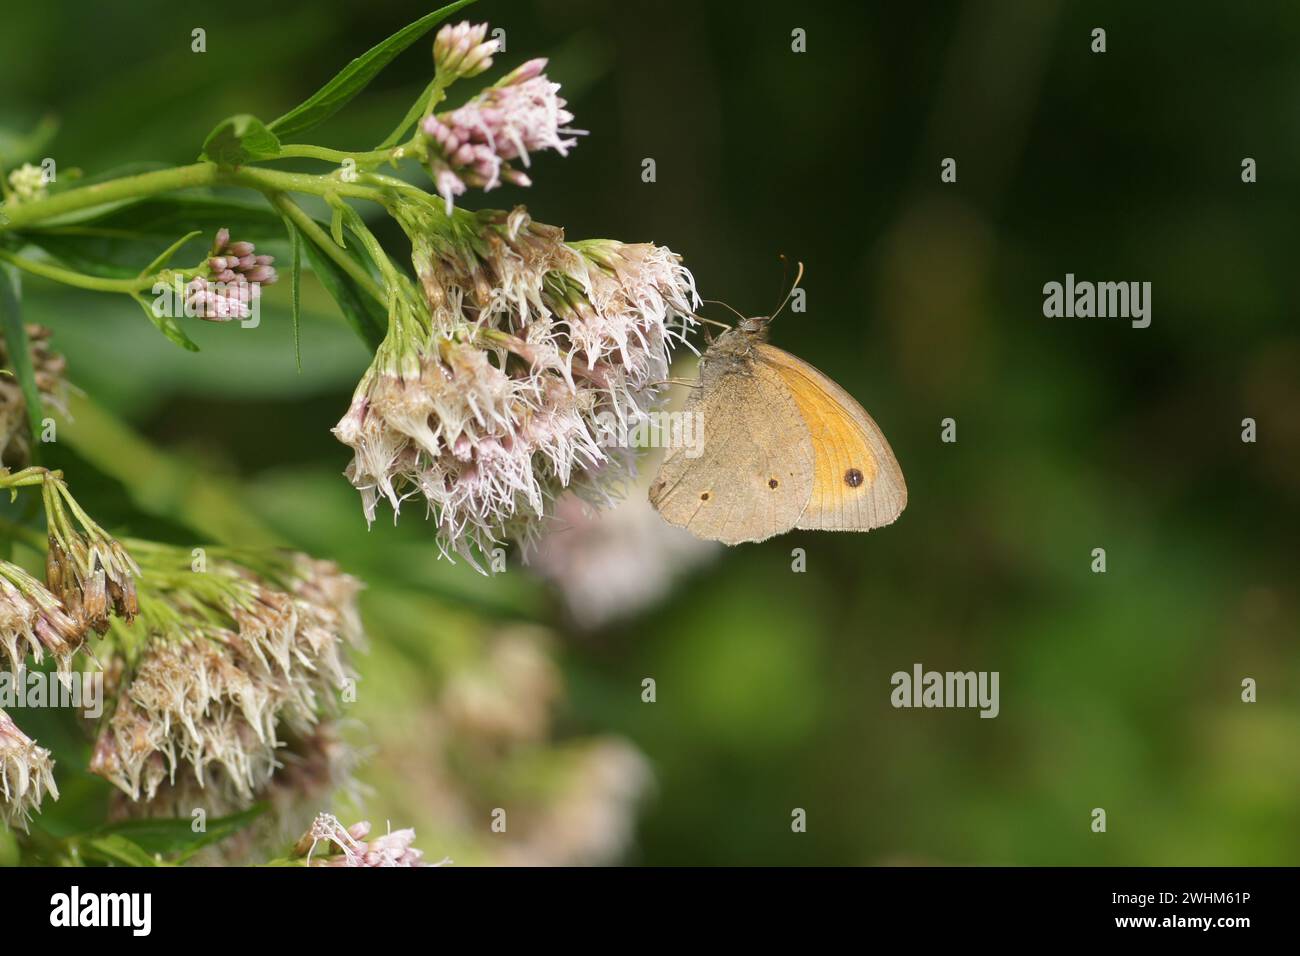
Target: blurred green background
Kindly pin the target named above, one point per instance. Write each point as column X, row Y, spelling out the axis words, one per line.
column 1118, row 690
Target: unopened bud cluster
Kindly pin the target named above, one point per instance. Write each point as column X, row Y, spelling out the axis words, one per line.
column 461, row 51
column 236, row 275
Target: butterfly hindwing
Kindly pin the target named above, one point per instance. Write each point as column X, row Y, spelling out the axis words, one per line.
column 857, row 483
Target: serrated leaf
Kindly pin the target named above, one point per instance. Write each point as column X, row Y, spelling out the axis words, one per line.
column 20, row 356
column 238, row 140
column 356, row 76
column 167, row 325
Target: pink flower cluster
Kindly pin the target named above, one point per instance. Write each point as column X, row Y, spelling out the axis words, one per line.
column 475, row 144
column 236, row 275
column 492, row 403
column 349, row 846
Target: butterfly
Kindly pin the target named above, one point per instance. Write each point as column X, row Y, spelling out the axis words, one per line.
column 784, row 447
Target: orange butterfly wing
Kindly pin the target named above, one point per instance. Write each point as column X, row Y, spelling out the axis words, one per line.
column 857, row 484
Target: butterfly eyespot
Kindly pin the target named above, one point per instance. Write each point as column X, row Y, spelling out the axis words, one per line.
column 772, row 482
column 853, row 477
column 704, row 496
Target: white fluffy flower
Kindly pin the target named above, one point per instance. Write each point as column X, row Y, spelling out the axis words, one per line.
column 487, row 400
column 26, row 774
column 475, row 144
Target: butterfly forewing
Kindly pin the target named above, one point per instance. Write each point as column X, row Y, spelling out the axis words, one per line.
column 753, row 477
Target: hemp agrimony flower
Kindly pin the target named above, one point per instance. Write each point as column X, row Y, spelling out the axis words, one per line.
column 219, row 661
column 50, row 368
column 460, row 51
column 32, row 621
column 329, row 843
column 26, row 774
column 88, row 570
column 235, row 277
column 474, row 145
column 486, row 399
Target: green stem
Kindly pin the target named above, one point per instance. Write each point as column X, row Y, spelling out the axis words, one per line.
column 78, row 279
column 316, row 234
column 316, row 185
column 143, row 185
column 373, row 157
column 28, row 477
column 128, row 187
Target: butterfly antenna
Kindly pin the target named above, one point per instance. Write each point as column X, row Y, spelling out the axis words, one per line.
column 785, row 272
column 725, row 306
column 798, row 277
column 700, row 318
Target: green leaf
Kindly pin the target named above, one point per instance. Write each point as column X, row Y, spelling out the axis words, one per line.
column 118, row 849
column 115, row 242
column 167, row 325
column 238, row 140
column 352, row 301
column 20, row 356
column 295, row 290
column 176, row 835
column 336, row 224
column 165, row 256
column 354, row 77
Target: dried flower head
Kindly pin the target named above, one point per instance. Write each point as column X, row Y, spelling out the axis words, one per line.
column 314, row 770
column 90, row 571
column 50, row 369
column 224, row 660
column 475, row 144
column 329, row 843
column 236, row 274
column 26, row 775
column 461, row 51
column 486, row 400
column 32, row 621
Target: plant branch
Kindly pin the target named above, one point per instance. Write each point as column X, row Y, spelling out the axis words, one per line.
column 78, row 279
column 316, row 234
column 115, row 190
